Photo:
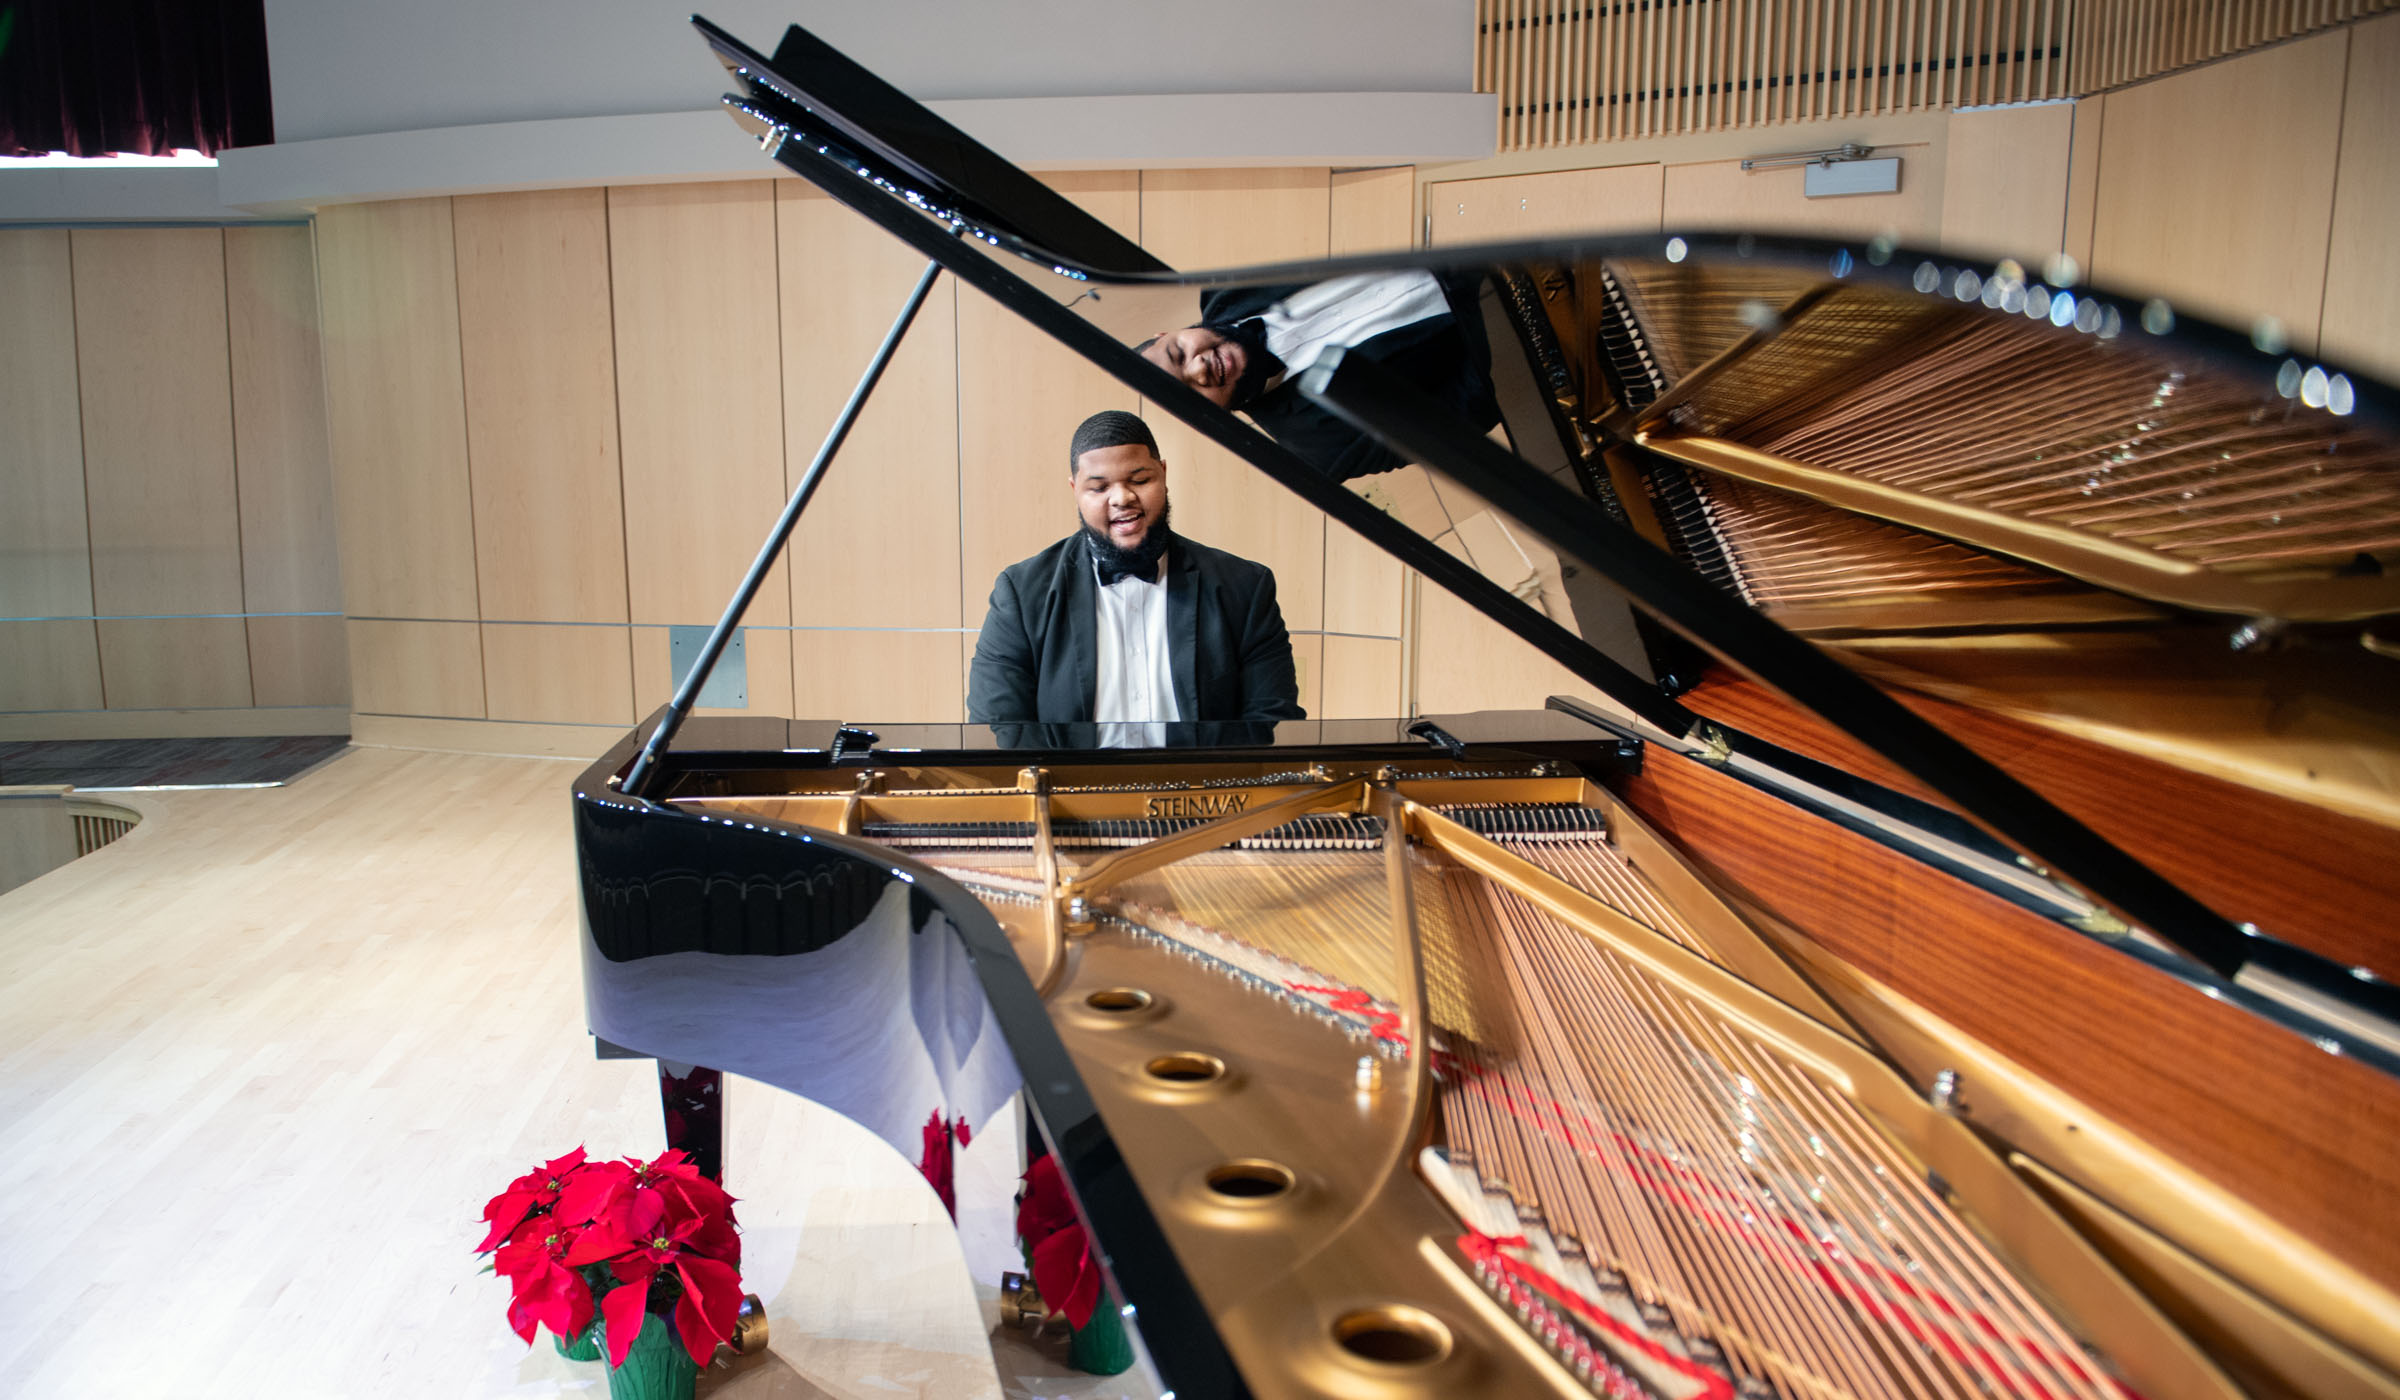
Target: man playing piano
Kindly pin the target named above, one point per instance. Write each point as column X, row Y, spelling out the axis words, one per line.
column 1125, row 621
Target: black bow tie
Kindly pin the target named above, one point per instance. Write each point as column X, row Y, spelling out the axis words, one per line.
column 1111, row 571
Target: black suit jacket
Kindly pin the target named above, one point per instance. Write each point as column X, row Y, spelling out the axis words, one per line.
column 1037, row 660
column 1448, row 358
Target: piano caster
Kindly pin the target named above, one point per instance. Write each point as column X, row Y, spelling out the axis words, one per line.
column 1021, row 1304
column 750, row 1326
column 749, row 1334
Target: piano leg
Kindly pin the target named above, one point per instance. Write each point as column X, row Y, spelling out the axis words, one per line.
column 692, row 1099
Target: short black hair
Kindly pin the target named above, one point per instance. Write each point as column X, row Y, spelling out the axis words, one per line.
column 1110, row 428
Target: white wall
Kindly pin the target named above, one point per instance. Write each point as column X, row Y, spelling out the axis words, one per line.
column 346, row 67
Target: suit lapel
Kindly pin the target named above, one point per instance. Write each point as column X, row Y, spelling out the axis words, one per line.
column 1079, row 605
column 1183, row 628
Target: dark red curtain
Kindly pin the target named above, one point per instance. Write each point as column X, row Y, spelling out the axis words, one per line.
column 144, row 77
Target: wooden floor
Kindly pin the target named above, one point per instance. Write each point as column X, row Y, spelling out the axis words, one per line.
column 263, row 1060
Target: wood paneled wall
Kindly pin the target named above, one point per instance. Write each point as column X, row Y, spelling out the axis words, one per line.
column 167, row 555
column 565, row 420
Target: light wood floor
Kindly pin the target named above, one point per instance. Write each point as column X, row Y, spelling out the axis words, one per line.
column 263, row 1059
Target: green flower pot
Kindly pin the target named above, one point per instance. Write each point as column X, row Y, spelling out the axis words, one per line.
column 656, row 1368
column 1100, row 1346
column 583, row 1346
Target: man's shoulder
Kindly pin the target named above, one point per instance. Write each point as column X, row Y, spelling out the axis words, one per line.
column 1039, row 567
column 1231, row 568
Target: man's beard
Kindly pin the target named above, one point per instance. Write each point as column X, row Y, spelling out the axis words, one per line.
column 1141, row 561
column 1258, row 362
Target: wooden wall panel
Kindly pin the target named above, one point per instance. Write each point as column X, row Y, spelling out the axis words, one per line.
column 299, row 661
column 1362, row 678
column 1308, row 666
column 1371, row 210
column 1020, row 396
column 157, row 422
column 2004, row 183
column 767, row 667
column 2218, row 186
column 2083, row 176
column 1363, row 585
column 879, row 545
column 878, row 676
column 2362, row 278
column 281, row 455
column 416, row 668
column 50, row 666
column 699, row 394
column 558, row 674
column 388, row 281
column 1720, row 194
column 45, row 552
column 1465, row 661
column 1226, row 218
column 175, row 663
column 1606, row 199
column 1199, row 219
column 541, row 401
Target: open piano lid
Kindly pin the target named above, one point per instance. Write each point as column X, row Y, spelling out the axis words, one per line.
column 871, row 147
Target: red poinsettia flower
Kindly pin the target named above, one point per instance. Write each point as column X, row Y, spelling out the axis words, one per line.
column 1064, row 1271
column 544, row 1289
column 536, row 1190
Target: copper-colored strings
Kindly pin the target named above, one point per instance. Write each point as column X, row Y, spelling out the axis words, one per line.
column 1752, row 1210
column 2016, row 420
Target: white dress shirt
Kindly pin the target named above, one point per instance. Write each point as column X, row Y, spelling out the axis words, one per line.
column 1346, row 311
column 1136, row 681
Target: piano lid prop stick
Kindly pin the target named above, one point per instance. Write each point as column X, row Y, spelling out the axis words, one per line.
column 687, row 694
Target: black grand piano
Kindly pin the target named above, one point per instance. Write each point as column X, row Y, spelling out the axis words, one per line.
column 1750, row 1032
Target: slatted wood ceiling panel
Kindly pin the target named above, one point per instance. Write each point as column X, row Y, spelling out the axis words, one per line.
column 1575, row 71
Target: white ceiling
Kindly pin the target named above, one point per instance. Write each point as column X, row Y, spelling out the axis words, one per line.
column 350, row 67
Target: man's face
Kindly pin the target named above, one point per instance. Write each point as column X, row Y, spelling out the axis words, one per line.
column 1201, row 358
column 1121, row 492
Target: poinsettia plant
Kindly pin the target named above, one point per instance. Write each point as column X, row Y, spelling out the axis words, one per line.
column 1056, row 1247
column 577, row 1238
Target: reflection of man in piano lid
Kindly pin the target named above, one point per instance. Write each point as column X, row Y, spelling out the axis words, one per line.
column 1125, row 621
column 1253, row 341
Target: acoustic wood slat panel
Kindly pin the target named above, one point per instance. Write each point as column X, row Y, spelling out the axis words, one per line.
column 51, row 665
column 768, row 658
column 175, row 663
column 879, row 545
column 1569, row 73
column 1230, row 218
column 299, row 661
column 2207, row 168
column 1370, row 211
column 699, row 394
column 45, row 551
column 558, row 673
column 541, row 401
column 1020, row 395
column 879, row 677
column 1362, row 678
column 282, row 457
column 2362, row 279
column 416, row 668
column 1606, row 199
column 157, row 421
column 388, row 287
column 2004, row 185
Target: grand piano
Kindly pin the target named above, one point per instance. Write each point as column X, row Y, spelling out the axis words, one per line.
column 1858, row 999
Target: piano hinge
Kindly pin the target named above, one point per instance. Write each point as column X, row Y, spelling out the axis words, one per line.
column 854, row 745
